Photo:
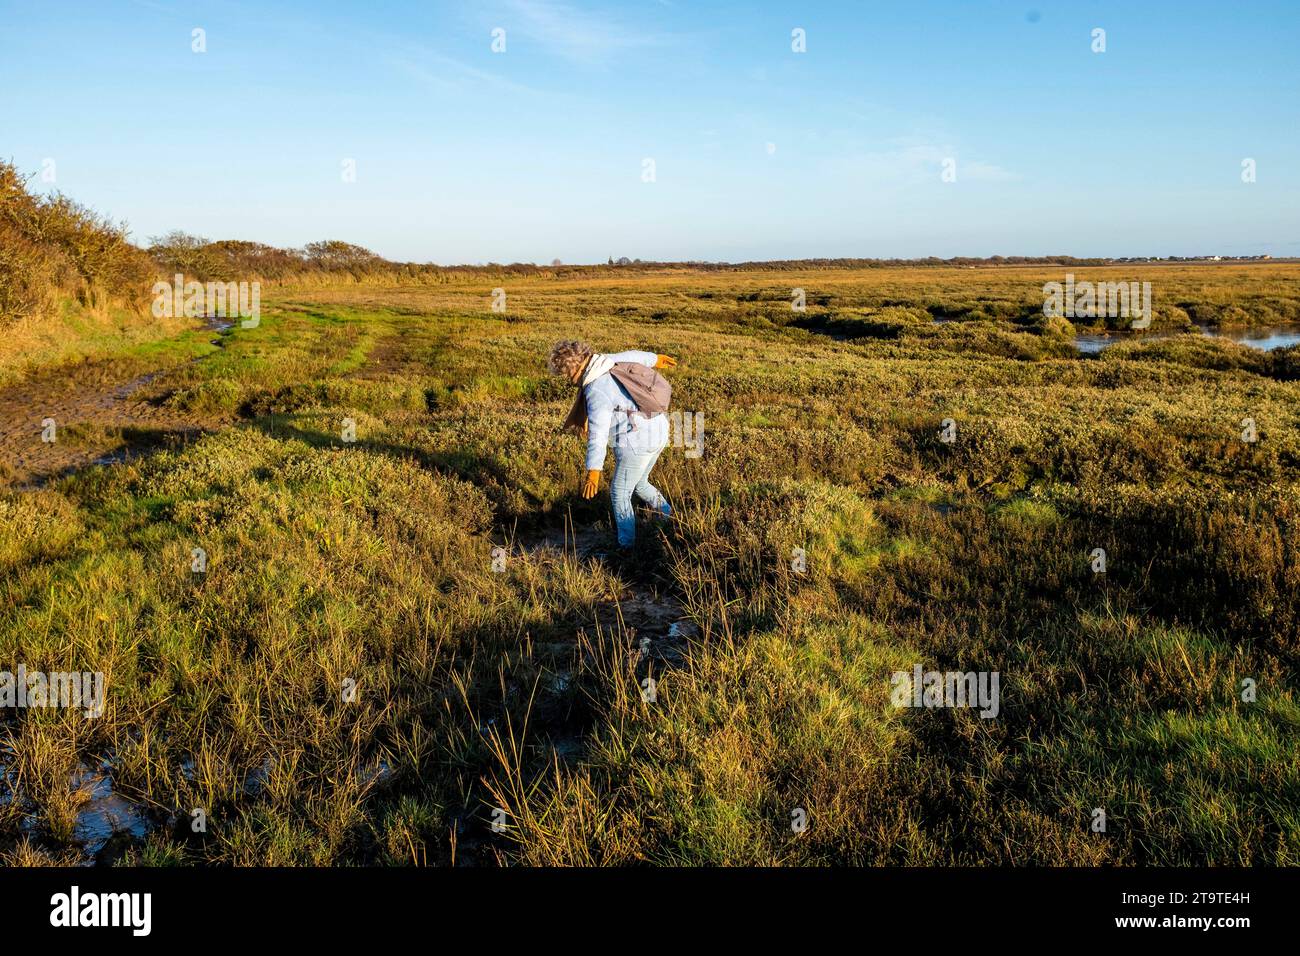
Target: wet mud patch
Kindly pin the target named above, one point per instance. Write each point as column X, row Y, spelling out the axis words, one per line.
column 107, row 821
column 102, row 413
column 645, row 609
column 638, row 611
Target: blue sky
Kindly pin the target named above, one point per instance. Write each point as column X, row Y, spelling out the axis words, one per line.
column 535, row 153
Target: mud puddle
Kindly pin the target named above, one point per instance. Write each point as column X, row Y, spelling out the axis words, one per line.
column 107, row 822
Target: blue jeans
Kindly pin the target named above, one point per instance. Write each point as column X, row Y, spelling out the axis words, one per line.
column 632, row 467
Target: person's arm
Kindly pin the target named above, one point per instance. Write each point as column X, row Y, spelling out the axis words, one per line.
column 646, row 358
column 600, row 416
column 634, row 355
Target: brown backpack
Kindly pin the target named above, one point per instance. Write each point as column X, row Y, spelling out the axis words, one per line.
column 650, row 390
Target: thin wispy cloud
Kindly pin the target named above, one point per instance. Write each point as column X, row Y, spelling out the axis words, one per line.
column 157, row 7
column 578, row 35
column 987, row 173
column 909, row 163
column 444, row 74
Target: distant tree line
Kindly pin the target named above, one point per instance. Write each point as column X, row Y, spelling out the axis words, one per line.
column 237, row 259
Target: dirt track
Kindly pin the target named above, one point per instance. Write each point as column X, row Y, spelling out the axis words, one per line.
column 102, row 411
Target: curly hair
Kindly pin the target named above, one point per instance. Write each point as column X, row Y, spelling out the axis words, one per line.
column 568, row 356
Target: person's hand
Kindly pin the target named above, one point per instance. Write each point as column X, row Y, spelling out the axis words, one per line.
column 591, row 484
column 665, row 361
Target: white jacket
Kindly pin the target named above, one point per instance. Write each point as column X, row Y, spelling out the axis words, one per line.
column 608, row 408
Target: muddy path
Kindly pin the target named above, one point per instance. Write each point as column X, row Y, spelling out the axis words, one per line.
column 102, row 412
column 641, row 613
column 647, row 609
